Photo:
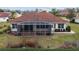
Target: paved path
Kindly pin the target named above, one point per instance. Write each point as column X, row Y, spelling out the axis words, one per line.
column 72, row 32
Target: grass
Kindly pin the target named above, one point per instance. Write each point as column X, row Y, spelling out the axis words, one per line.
column 4, row 23
column 75, row 27
column 38, row 49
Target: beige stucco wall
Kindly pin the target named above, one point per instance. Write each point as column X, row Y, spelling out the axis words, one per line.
column 56, row 27
column 77, row 20
column 13, row 29
column 3, row 19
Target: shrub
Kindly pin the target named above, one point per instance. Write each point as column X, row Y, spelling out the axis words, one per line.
column 48, row 46
column 4, row 29
column 14, row 45
column 68, row 28
column 1, row 32
column 57, row 30
column 67, row 45
column 39, row 46
column 72, row 21
column 1, row 27
column 30, row 44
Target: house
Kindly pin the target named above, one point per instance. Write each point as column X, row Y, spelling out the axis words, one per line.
column 4, row 16
column 63, row 12
column 38, row 23
column 17, row 15
column 14, row 15
column 76, row 19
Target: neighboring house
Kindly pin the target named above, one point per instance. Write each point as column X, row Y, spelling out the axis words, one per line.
column 15, row 15
column 18, row 15
column 38, row 23
column 4, row 16
column 76, row 19
column 63, row 12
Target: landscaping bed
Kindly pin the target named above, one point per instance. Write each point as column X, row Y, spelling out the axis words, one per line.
column 4, row 26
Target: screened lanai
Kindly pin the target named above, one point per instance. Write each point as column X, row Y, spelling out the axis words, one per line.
column 34, row 28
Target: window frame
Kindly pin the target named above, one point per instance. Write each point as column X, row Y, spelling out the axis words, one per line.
column 60, row 25
column 14, row 25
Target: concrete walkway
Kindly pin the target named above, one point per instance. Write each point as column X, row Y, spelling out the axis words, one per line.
column 67, row 20
column 72, row 32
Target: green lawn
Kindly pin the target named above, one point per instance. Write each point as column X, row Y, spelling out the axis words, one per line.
column 37, row 49
column 75, row 27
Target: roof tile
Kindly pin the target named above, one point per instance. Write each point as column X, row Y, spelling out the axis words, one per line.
column 39, row 16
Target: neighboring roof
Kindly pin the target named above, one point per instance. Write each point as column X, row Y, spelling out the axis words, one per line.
column 39, row 16
column 77, row 16
column 4, row 14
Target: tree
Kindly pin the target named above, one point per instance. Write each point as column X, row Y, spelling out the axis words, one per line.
column 6, row 10
column 36, row 10
column 13, row 14
column 18, row 11
column 68, row 28
column 1, row 10
column 54, row 11
column 77, row 10
column 71, row 13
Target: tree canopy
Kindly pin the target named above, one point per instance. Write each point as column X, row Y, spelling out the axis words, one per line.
column 54, row 11
column 13, row 14
column 71, row 13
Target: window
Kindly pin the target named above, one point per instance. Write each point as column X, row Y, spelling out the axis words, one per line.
column 43, row 26
column 40, row 26
column 14, row 25
column 28, row 28
column 47, row 26
column 60, row 25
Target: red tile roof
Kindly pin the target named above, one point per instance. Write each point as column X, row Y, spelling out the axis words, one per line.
column 39, row 16
column 4, row 14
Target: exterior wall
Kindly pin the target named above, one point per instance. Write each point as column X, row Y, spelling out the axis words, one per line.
column 52, row 28
column 3, row 19
column 56, row 27
column 61, row 28
column 77, row 20
column 65, row 25
column 13, row 29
